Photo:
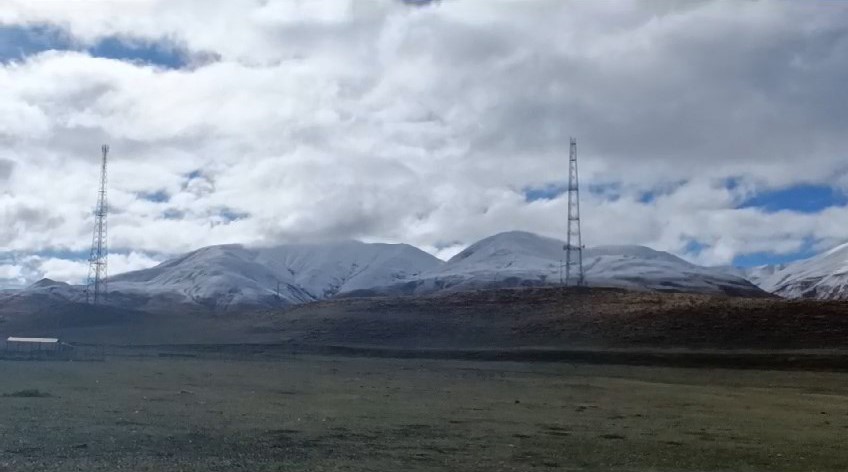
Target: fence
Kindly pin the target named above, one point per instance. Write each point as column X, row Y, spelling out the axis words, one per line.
column 58, row 351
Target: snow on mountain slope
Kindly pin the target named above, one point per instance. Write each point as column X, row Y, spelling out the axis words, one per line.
column 637, row 267
column 216, row 276
column 325, row 270
column 47, row 288
column 44, row 295
column 51, row 286
column 824, row 276
column 221, row 277
column 229, row 275
column 756, row 275
column 522, row 259
column 759, row 275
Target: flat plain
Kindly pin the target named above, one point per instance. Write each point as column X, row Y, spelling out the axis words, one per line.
column 308, row 412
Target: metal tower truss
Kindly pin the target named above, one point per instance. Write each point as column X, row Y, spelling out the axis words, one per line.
column 96, row 288
column 574, row 243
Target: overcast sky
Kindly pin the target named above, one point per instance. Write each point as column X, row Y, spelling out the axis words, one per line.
column 716, row 130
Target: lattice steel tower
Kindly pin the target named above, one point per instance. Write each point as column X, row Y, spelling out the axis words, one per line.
column 574, row 243
column 98, row 259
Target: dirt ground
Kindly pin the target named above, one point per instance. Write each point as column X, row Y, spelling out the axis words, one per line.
column 501, row 319
column 557, row 318
column 363, row 414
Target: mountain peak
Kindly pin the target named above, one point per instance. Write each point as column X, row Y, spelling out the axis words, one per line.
column 230, row 275
column 45, row 282
column 824, row 276
column 512, row 242
column 521, row 258
column 841, row 249
column 633, row 252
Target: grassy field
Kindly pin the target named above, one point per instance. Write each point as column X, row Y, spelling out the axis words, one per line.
column 324, row 413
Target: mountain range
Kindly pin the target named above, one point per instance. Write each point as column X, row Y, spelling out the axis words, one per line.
column 227, row 277
column 233, row 276
column 516, row 259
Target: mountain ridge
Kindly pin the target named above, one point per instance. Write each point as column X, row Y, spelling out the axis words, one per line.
column 518, row 258
column 230, row 276
column 823, row 276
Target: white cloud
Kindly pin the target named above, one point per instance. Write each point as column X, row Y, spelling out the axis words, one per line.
column 63, row 270
column 375, row 120
column 11, row 274
column 28, row 269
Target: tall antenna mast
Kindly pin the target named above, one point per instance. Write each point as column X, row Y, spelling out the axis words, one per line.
column 574, row 243
column 96, row 288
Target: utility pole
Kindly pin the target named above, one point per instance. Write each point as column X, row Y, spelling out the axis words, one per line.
column 96, row 288
column 574, row 243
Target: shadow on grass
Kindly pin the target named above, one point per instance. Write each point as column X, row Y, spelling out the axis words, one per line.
column 28, row 393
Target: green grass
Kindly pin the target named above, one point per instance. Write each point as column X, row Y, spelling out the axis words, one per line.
column 320, row 413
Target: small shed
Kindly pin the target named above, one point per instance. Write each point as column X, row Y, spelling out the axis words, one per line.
column 33, row 344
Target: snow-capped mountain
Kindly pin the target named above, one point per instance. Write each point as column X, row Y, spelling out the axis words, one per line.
column 757, row 275
column 225, row 276
column 824, row 276
column 234, row 275
column 525, row 259
column 52, row 287
column 228, row 276
column 42, row 295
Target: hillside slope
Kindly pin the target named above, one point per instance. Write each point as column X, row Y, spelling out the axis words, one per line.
column 229, row 277
column 824, row 277
column 549, row 317
column 233, row 275
column 520, row 259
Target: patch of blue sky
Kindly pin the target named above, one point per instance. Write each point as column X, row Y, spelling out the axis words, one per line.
column 694, row 247
column 766, row 258
column 161, row 53
column 754, row 259
column 230, row 214
column 17, row 42
column 159, row 196
column 732, row 183
column 649, row 196
column 545, row 192
column 800, row 198
column 608, row 191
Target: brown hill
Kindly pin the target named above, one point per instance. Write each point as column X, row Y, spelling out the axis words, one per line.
column 533, row 317
column 553, row 317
